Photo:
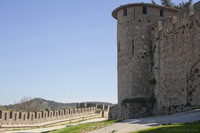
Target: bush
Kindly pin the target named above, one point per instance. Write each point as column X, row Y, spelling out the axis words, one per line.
column 152, row 81
column 139, row 100
column 152, row 99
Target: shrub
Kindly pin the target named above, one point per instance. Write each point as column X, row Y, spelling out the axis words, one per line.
column 139, row 100
column 152, row 81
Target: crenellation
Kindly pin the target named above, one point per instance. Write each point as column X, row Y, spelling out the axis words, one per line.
column 30, row 118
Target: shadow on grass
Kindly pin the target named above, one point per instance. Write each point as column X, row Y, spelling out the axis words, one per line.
column 83, row 128
column 175, row 128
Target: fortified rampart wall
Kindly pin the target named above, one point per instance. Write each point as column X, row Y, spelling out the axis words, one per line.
column 175, row 42
column 13, row 118
column 170, row 53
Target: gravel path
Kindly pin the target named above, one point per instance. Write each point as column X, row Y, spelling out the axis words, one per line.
column 39, row 130
column 131, row 125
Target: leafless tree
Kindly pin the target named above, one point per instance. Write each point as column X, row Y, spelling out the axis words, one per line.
column 29, row 105
column 169, row 3
column 1, row 107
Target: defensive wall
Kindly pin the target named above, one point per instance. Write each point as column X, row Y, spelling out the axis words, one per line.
column 158, row 60
column 13, row 119
column 176, row 51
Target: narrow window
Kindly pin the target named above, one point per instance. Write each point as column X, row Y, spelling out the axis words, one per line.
column 118, row 46
column 5, row 118
column 10, row 115
column 125, row 12
column 24, row 117
column 20, row 115
column 132, row 49
column 28, row 116
column 144, row 10
column 161, row 13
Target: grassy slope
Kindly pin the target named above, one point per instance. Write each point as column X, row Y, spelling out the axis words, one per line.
column 83, row 128
column 174, row 128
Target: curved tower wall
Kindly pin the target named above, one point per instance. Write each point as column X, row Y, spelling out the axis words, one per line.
column 133, row 40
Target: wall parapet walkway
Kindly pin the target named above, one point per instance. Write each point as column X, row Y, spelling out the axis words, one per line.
column 27, row 119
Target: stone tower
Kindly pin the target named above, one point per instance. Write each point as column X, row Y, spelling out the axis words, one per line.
column 134, row 52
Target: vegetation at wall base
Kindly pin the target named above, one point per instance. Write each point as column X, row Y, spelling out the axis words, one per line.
column 83, row 128
column 174, row 128
column 152, row 81
column 139, row 100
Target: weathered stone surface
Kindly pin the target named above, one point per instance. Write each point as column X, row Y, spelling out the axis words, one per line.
column 158, row 56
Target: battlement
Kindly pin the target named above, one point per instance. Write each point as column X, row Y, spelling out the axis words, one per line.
column 179, row 20
column 158, row 58
column 26, row 119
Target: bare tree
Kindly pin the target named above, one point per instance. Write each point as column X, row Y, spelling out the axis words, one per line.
column 1, row 108
column 184, row 4
column 29, row 105
column 153, row 2
column 169, row 3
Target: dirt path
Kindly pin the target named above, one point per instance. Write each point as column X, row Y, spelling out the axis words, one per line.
column 131, row 125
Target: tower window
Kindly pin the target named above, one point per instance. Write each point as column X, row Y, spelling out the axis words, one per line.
column 125, row 12
column 144, row 8
column 161, row 13
column 132, row 49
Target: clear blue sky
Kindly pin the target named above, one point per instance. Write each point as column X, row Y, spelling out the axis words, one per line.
column 62, row 50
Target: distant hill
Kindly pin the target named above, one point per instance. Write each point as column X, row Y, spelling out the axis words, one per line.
column 39, row 104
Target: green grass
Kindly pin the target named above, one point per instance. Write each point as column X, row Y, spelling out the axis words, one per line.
column 53, row 125
column 174, row 128
column 83, row 128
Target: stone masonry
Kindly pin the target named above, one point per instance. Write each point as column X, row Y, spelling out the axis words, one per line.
column 158, row 60
column 33, row 119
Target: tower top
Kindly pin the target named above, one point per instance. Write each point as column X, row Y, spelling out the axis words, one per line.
column 114, row 13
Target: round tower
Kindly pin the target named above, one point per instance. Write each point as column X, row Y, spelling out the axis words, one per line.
column 134, row 45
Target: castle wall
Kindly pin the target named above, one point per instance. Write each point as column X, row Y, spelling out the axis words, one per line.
column 176, row 47
column 12, row 118
column 161, row 73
